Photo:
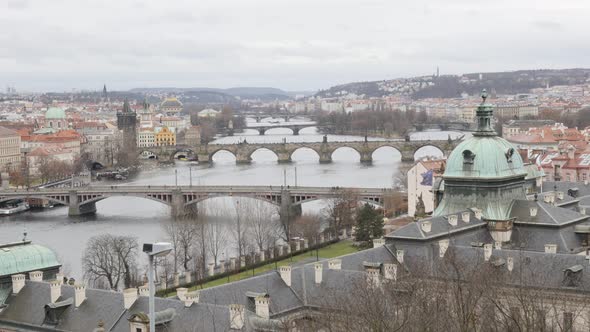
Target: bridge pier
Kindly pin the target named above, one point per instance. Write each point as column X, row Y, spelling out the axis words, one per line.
column 177, row 204
column 261, row 131
column 366, row 158
column 242, row 158
column 325, row 158
column 76, row 209
column 203, row 158
column 295, row 131
column 284, row 157
column 287, row 212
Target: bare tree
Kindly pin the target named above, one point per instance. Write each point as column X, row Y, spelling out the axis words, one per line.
column 340, row 210
column 307, row 226
column 111, row 258
column 262, row 223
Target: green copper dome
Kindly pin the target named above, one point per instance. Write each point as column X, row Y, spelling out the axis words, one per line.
column 55, row 113
column 25, row 257
column 484, row 157
column 484, row 172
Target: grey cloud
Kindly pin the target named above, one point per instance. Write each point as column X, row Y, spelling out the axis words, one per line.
column 548, row 25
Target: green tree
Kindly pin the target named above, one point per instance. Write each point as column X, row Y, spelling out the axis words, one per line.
column 369, row 224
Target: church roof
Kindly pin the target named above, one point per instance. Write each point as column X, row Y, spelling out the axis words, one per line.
column 56, row 113
column 23, row 257
column 171, row 103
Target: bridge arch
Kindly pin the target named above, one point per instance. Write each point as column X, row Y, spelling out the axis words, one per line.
column 214, row 152
column 266, row 130
column 381, row 150
column 304, row 148
column 346, row 147
column 178, row 153
column 151, row 197
column 263, row 149
column 148, row 154
column 273, row 199
column 428, row 149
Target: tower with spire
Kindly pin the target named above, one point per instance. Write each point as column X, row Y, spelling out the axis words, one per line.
column 127, row 124
column 105, row 96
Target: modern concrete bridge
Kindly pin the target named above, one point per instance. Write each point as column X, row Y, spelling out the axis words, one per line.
column 82, row 200
column 284, row 151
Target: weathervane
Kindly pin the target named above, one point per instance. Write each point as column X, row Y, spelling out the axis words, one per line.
column 484, row 96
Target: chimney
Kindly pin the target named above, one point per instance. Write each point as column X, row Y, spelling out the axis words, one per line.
column 551, row 248
column 335, row 264
column 18, row 282
column 465, row 216
column 498, row 245
column 262, row 306
column 129, row 297
column 318, row 267
column 190, row 298
column 236, row 316
column 285, row 272
column 477, row 213
column 181, row 293
column 144, row 290
column 390, row 271
column 560, row 195
column 54, row 290
column 399, row 255
column 547, row 198
column 533, row 211
column 443, row 245
column 510, row 263
column 487, row 251
column 426, row 226
column 378, row 242
column 59, row 277
column 36, row 276
column 372, row 276
column 452, row 220
column 79, row 295
column 583, row 210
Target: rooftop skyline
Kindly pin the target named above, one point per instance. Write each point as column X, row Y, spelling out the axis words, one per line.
column 303, row 45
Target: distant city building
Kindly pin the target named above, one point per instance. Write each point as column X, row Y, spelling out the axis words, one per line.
column 165, row 137
column 193, row 136
column 55, row 118
column 208, row 113
column 546, row 137
column 518, row 127
column 146, row 137
column 171, row 106
column 10, row 153
column 127, row 123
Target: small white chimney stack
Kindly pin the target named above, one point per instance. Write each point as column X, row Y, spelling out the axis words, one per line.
column 190, row 298
column 533, row 211
column 453, row 220
column 54, row 290
column 560, row 195
column 477, row 213
column 551, row 248
column 181, row 293
column 262, row 306
column 18, row 282
column 236, row 316
column 335, row 264
column 36, row 276
column 79, row 294
column 129, row 297
column 487, row 251
column 510, row 263
column 144, row 290
column 547, row 198
column 399, row 255
column 497, row 245
column 390, row 271
column 318, row 268
column 443, row 245
column 378, row 242
column 285, row 272
column 465, row 216
column 426, row 226
column 59, row 277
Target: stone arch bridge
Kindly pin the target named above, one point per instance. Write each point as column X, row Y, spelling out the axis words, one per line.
column 83, row 200
column 294, row 127
column 284, row 151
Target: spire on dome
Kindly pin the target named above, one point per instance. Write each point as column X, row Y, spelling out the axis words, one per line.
column 484, row 115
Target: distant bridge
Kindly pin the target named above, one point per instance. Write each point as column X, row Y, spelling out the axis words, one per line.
column 284, row 151
column 82, row 200
column 456, row 125
column 294, row 127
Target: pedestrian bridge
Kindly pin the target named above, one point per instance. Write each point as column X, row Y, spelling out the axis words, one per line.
column 82, row 200
column 284, row 151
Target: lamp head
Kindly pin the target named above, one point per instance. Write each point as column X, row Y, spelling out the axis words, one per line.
column 157, row 249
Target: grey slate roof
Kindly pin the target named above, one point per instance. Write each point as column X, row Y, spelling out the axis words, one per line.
column 440, row 227
column 547, row 214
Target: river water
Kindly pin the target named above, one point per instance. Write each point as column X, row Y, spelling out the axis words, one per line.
column 143, row 218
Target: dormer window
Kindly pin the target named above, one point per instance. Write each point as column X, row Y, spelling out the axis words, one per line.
column 468, row 157
column 509, row 153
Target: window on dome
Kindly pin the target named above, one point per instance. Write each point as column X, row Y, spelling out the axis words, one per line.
column 468, row 157
column 509, row 153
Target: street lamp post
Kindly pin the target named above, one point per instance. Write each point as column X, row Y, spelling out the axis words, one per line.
column 190, row 176
column 153, row 250
column 176, row 177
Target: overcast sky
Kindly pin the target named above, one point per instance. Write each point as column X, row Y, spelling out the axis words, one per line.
column 57, row 45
